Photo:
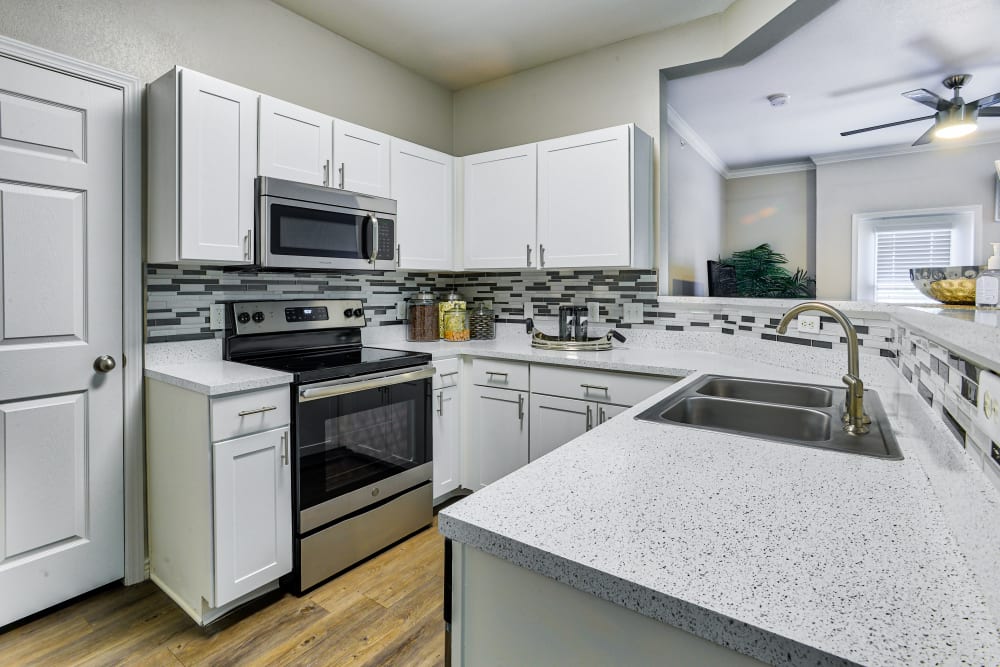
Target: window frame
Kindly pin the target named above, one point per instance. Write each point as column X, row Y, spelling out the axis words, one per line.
column 966, row 225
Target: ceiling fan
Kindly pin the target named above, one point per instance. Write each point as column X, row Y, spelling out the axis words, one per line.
column 954, row 118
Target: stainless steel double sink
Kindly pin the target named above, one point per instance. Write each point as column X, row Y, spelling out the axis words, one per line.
column 799, row 414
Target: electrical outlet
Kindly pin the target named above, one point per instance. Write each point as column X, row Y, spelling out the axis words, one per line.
column 809, row 323
column 400, row 310
column 988, row 405
column 614, row 311
column 593, row 311
column 632, row 313
column 217, row 317
column 529, row 310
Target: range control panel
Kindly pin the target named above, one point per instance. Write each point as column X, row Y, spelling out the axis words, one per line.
column 250, row 317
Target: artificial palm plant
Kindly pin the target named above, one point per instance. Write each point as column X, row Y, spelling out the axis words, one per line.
column 760, row 273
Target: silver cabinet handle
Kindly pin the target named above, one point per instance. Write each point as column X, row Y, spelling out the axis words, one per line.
column 374, row 219
column 326, row 173
column 541, row 255
column 266, row 408
column 246, row 245
column 399, row 254
column 492, row 373
column 602, row 416
column 529, row 254
column 284, row 448
column 444, row 375
column 520, row 408
column 104, row 363
column 343, row 174
column 440, row 409
column 590, row 417
column 588, row 387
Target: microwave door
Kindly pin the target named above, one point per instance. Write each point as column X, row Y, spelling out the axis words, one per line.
column 296, row 234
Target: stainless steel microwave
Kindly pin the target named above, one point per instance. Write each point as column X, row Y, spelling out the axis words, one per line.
column 302, row 226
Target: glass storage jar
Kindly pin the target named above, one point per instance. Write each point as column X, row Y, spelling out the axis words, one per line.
column 456, row 324
column 453, row 300
column 422, row 318
column 482, row 323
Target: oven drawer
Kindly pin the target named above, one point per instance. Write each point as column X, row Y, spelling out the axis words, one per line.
column 502, row 374
column 261, row 410
column 589, row 385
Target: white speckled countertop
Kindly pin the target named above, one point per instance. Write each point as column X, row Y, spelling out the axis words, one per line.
column 198, row 366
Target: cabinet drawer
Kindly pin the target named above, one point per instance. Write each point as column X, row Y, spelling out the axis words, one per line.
column 503, row 374
column 445, row 373
column 617, row 388
column 262, row 410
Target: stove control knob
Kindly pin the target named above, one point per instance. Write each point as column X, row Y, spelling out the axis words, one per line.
column 243, row 318
column 358, row 312
column 258, row 317
column 349, row 312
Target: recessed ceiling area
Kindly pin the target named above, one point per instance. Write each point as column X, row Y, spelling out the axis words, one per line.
column 458, row 43
column 844, row 70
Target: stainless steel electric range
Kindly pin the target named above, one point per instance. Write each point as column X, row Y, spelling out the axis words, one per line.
column 361, row 429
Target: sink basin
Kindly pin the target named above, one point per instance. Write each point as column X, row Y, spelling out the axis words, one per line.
column 793, row 413
column 783, row 393
column 763, row 419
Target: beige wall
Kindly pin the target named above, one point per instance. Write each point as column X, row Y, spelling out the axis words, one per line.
column 950, row 177
column 695, row 205
column 254, row 43
column 775, row 208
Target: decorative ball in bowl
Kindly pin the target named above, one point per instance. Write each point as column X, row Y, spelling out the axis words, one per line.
column 954, row 285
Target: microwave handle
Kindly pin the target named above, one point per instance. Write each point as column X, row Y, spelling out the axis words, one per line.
column 374, row 220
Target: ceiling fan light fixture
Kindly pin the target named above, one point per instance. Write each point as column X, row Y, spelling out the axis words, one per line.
column 955, row 130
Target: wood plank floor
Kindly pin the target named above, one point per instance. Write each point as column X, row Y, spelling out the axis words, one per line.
column 386, row 611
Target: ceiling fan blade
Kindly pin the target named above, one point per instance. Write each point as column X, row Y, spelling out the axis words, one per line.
column 987, row 101
column 926, row 97
column 927, row 137
column 879, row 127
column 989, row 111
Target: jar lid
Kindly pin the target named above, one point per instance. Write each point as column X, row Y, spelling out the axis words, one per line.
column 481, row 307
column 453, row 296
column 423, row 298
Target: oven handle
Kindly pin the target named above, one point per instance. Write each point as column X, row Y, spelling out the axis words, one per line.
column 351, row 386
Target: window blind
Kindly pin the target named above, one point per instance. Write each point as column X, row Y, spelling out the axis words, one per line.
column 897, row 251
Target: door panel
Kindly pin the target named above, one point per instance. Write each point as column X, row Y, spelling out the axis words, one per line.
column 362, row 157
column 500, row 431
column 42, row 232
column 422, row 185
column 43, row 439
column 41, row 127
column 555, row 421
column 446, row 440
column 61, row 503
column 295, row 143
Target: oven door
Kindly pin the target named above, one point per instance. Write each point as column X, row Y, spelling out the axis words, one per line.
column 359, row 442
column 306, row 235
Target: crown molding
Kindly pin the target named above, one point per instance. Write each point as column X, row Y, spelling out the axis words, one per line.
column 694, row 140
column 785, row 168
column 902, row 149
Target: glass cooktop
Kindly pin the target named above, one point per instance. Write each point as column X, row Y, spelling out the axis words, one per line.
column 340, row 363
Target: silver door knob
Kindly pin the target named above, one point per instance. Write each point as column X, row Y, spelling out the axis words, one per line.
column 104, row 364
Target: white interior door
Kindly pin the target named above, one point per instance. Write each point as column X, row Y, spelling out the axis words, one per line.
column 61, row 446
column 363, row 159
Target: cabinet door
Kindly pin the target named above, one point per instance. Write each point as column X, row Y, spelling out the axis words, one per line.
column 295, row 143
column 555, row 421
column 362, row 159
column 423, row 185
column 218, row 164
column 446, row 440
column 606, row 412
column 253, row 513
column 500, row 431
column 499, row 220
column 584, row 199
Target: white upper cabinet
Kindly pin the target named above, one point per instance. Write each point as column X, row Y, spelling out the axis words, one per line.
column 203, row 161
column 423, row 187
column 361, row 158
column 595, row 199
column 499, row 216
column 296, row 143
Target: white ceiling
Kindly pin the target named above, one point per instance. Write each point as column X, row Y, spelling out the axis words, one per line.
column 459, row 43
column 845, row 70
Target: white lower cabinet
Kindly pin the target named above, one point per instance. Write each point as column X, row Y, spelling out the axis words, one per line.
column 499, row 431
column 253, row 518
column 219, row 495
column 556, row 420
column 447, row 408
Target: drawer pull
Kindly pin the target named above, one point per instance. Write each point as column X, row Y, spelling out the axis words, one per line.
column 444, row 375
column 492, row 373
column 588, row 387
column 266, row 408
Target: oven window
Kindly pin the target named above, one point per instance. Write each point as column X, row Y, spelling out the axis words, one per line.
column 351, row 441
column 315, row 233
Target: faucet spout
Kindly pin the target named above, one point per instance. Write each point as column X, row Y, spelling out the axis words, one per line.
column 855, row 419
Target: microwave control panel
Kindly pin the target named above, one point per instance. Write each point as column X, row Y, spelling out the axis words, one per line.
column 386, row 239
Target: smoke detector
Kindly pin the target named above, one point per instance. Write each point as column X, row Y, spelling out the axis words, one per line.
column 778, row 99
